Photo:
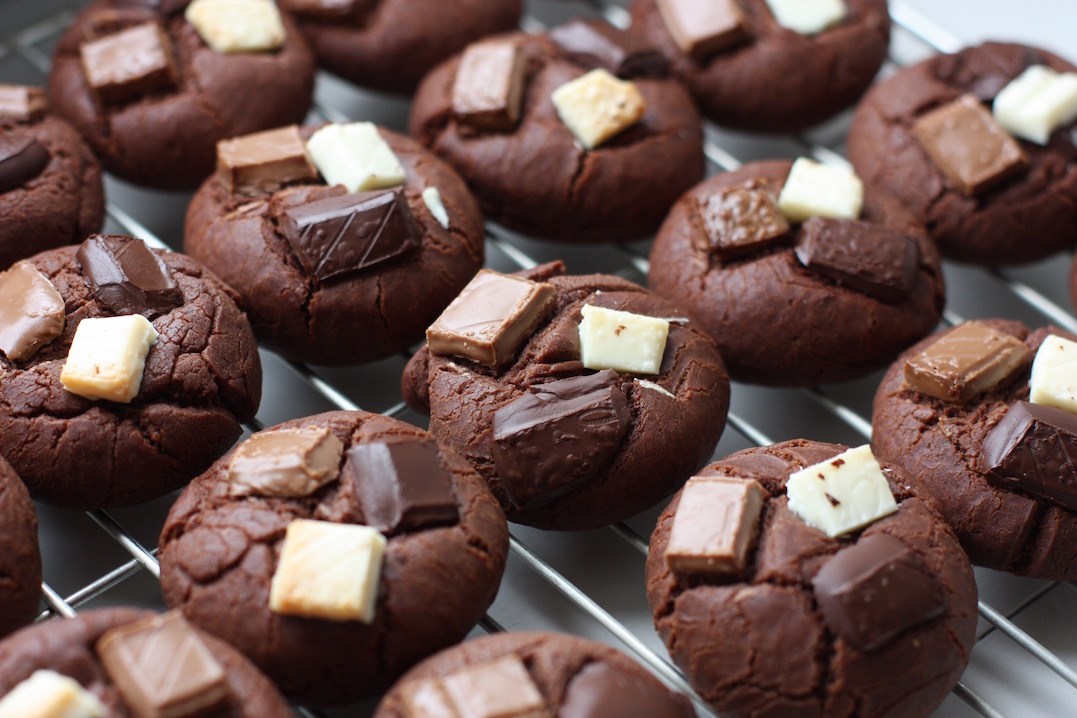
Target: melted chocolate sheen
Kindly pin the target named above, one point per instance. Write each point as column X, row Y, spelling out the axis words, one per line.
column 127, row 276
column 595, row 43
column 600, row 690
column 21, row 159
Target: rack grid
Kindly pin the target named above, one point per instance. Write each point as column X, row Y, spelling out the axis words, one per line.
column 588, row 583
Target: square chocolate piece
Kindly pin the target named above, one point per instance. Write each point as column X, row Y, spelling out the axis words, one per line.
column 285, row 462
column 596, row 43
column 501, row 689
column 22, row 103
column 702, row 28
column 716, row 522
column 741, row 220
column 968, row 146
column 966, row 362
column 32, row 312
column 264, row 161
column 488, row 90
column 130, row 63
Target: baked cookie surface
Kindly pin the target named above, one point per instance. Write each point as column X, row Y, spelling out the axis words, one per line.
column 20, row 558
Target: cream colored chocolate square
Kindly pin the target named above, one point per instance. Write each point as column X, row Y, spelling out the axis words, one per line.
column 47, row 694
column 237, row 25
column 1036, row 103
column 627, row 342
column 1054, row 374
column 716, row 522
column 328, row 570
column 813, row 189
column 285, row 463
column 841, row 494
column 597, row 106
column 107, row 357
column 501, row 689
column 356, row 156
column 808, row 17
column 432, row 200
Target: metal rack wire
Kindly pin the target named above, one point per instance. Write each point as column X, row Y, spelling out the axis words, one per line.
column 555, row 581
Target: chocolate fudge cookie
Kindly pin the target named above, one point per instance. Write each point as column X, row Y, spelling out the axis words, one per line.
column 533, row 673
column 946, row 412
column 122, row 661
column 796, row 304
column 564, row 137
column 335, row 551
column 327, row 274
column 750, row 67
column 776, row 600
column 20, row 559
column 931, row 135
column 508, row 378
column 389, row 45
column 125, row 372
column 50, row 182
column 152, row 86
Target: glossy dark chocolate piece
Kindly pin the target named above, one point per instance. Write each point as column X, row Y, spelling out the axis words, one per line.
column 1033, row 449
column 716, row 523
column 557, row 435
column 163, row 7
column 348, row 233
column 21, row 159
column 22, row 103
column 874, row 590
column 32, row 312
column 965, row 362
column 264, row 161
column 130, row 63
column 741, row 220
column 869, row 258
column 488, row 90
column 401, row 486
column 599, row 690
column 127, row 277
column 596, row 43
column 702, row 28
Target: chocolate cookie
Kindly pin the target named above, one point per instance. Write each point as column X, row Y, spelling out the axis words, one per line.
column 240, row 540
column 493, row 114
column 826, row 300
column 563, row 447
column 389, row 45
column 126, row 658
column 156, row 402
column 746, row 70
column 20, row 558
column 877, row 621
column 50, row 182
column 1018, row 205
column 547, row 673
column 152, row 98
column 942, row 444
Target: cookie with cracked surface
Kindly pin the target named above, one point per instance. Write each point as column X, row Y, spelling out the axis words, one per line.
column 220, row 552
column 163, row 132
column 354, row 316
column 20, row 558
column 759, row 643
column 569, row 676
column 777, row 321
column 1022, row 217
column 70, row 647
column 642, row 434
column 769, row 78
column 201, row 379
column 619, row 190
column 940, row 443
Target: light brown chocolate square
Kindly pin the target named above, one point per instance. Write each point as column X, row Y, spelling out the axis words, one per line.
column 742, row 219
column 264, row 161
column 130, row 63
column 702, row 28
column 715, row 524
column 488, row 90
column 971, row 359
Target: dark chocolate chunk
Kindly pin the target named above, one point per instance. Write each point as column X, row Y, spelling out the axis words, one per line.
column 963, row 363
column 869, row 258
column 401, row 486
column 348, row 233
column 127, row 276
column 1034, row 449
column 21, row 159
column 872, row 591
column 325, row 9
column 163, row 7
column 704, row 27
column 741, row 220
column 599, row 690
column 488, row 90
column 596, row 43
column 558, row 435
column 22, row 103
column 32, row 312
column 129, row 63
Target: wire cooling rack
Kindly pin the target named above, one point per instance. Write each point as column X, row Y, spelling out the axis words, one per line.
column 591, row 583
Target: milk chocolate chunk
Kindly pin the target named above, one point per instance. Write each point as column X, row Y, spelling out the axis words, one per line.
column 163, row 668
column 489, row 85
column 966, row 362
column 1034, row 449
column 264, row 161
column 741, row 220
column 401, row 487
column 870, row 258
column 31, row 311
column 127, row 277
column 501, row 689
column 558, row 435
column 717, row 521
column 595, row 43
column 130, row 63
column 874, row 590
column 968, row 146
column 285, row 463
column 344, row 234
column 702, row 28
column 22, row 103
column 600, row 690
column 21, row 160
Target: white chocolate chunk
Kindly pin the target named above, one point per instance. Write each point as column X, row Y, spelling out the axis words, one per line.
column 1054, row 374
column 432, row 199
column 817, row 190
column 612, row 339
column 597, row 106
column 107, row 357
column 328, row 570
column 237, row 25
column 654, row 387
column 47, row 694
column 808, row 17
column 356, row 156
column 842, row 494
column 1036, row 103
